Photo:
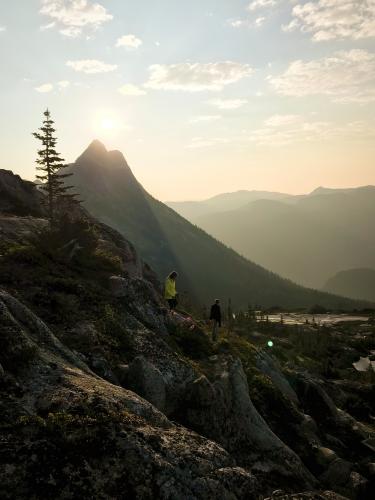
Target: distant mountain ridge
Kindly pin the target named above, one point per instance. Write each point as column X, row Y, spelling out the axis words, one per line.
column 207, row 269
column 306, row 238
column 224, row 202
column 192, row 210
column 353, row 283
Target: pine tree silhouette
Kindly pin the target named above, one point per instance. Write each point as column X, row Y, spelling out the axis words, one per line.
column 51, row 166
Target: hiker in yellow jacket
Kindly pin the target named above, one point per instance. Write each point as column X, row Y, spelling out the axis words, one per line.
column 170, row 293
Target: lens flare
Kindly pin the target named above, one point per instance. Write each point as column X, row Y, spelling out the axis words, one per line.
column 270, row 343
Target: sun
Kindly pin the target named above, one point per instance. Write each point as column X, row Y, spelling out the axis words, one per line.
column 107, row 124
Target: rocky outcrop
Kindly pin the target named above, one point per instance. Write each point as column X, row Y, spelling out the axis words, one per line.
column 321, row 407
column 17, row 196
column 36, row 341
column 223, row 411
column 316, row 401
column 142, row 298
column 269, row 367
column 147, row 381
column 21, row 216
column 18, row 230
column 341, row 477
column 126, row 447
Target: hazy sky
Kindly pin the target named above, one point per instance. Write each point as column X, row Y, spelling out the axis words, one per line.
column 202, row 97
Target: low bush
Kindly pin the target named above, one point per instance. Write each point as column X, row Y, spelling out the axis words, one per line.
column 112, row 326
column 193, row 344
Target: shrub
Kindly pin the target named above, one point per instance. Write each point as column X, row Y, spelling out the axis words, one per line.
column 193, row 344
column 111, row 325
column 16, row 350
column 104, row 261
column 317, row 309
column 68, row 240
column 25, row 254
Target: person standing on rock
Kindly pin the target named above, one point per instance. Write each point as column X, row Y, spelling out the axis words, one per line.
column 215, row 316
column 170, row 293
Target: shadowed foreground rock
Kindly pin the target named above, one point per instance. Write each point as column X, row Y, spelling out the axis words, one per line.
column 223, row 411
column 69, row 434
column 18, row 196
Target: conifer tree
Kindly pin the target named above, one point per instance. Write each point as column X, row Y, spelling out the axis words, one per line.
column 51, row 166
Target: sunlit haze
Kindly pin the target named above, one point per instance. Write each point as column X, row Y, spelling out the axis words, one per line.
column 202, row 97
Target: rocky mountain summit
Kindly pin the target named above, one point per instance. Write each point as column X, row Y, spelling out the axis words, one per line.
column 103, row 394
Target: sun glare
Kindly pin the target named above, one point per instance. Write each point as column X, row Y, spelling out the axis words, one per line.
column 106, row 124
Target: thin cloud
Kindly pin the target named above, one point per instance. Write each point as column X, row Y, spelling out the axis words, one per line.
column 343, row 76
column 228, row 103
column 46, row 87
column 131, row 90
column 311, row 131
column 334, row 19
column 249, row 23
column 261, row 4
column 197, row 77
column 238, row 23
column 129, row 42
column 91, row 66
column 73, row 16
column 205, row 118
column 48, row 26
column 3, row 28
column 282, row 120
column 202, row 142
column 63, row 84
column 260, row 8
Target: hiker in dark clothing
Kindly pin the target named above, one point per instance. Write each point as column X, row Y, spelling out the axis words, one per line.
column 215, row 316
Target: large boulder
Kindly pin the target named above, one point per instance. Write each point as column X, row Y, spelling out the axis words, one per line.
column 110, row 241
column 271, row 368
column 143, row 300
column 316, row 401
column 24, row 336
column 147, row 381
column 337, row 475
column 223, row 411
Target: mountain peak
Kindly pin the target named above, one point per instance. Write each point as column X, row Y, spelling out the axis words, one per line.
column 98, row 154
column 102, row 169
column 320, row 190
column 96, row 147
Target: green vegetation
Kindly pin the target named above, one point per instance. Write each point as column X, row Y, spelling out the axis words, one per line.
column 60, row 280
column 191, row 343
column 52, row 443
column 112, row 325
column 51, row 165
